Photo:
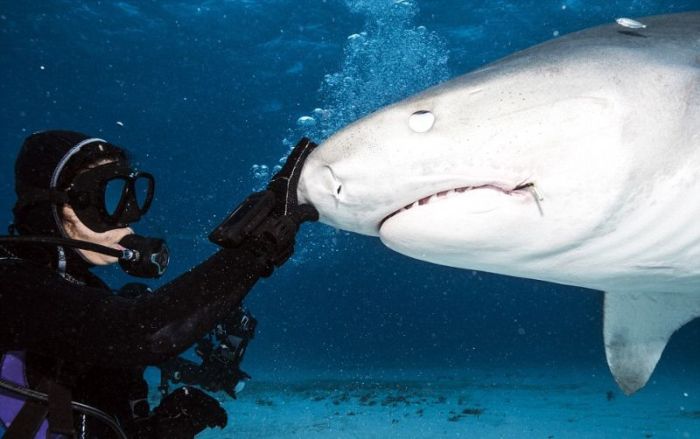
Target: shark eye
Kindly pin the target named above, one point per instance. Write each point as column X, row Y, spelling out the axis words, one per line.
column 421, row 121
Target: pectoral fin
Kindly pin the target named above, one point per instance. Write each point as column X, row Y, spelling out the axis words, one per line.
column 637, row 327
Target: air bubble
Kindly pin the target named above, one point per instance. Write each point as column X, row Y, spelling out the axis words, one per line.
column 306, row 121
column 321, row 113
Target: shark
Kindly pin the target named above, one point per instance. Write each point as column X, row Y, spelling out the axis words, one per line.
column 575, row 161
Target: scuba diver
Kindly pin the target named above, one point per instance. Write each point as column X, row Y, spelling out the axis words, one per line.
column 74, row 351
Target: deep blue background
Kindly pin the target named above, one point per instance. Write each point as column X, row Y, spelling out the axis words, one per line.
column 204, row 90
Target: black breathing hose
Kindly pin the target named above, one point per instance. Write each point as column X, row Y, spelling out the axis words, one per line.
column 51, row 240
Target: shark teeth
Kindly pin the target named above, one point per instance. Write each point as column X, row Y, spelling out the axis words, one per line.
column 451, row 192
column 425, row 200
column 444, row 194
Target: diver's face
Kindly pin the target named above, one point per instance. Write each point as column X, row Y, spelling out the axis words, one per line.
column 75, row 229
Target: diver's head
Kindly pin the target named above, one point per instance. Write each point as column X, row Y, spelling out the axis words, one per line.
column 75, row 186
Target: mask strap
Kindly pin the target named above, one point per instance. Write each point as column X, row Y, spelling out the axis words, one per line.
column 74, row 150
column 54, row 207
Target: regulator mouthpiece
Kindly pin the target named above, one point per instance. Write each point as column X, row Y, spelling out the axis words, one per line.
column 144, row 257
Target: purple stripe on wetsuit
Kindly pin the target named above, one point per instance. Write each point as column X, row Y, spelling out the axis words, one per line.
column 12, row 370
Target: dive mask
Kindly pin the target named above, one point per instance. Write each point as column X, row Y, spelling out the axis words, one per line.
column 110, row 196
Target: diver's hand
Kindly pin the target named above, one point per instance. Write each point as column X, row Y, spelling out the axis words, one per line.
column 284, row 185
column 186, row 412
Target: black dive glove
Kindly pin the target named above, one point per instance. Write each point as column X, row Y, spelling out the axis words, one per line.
column 284, row 185
column 268, row 221
column 186, row 412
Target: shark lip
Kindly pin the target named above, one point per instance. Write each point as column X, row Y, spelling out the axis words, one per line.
column 443, row 194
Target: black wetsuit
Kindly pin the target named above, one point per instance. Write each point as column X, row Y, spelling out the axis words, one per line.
column 77, row 331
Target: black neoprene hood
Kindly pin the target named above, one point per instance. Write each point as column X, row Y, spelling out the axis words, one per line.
column 36, row 166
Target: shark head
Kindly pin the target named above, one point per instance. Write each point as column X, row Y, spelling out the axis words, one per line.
column 499, row 170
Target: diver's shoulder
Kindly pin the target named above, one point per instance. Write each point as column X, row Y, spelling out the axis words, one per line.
column 21, row 276
column 13, row 265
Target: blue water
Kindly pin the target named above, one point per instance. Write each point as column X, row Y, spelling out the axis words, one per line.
column 209, row 95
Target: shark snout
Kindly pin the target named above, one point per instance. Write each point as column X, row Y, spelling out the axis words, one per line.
column 317, row 183
column 320, row 186
column 342, row 204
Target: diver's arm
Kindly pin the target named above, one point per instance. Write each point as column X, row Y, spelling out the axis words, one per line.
column 230, row 273
column 44, row 313
column 263, row 232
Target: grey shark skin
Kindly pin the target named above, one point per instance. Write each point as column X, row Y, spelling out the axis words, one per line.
column 576, row 161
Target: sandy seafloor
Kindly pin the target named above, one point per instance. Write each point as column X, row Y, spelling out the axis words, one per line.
column 526, row 403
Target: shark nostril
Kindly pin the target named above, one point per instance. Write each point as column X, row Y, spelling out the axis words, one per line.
column 336, row 186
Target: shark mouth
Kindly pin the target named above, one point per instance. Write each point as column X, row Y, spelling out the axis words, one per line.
column 529, row 187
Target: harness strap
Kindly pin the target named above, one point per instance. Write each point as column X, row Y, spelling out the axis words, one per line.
column 60, row 412
column 29, row 419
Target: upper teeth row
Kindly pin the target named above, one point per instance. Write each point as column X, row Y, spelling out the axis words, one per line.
column 442, row 194
column 529, row 187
